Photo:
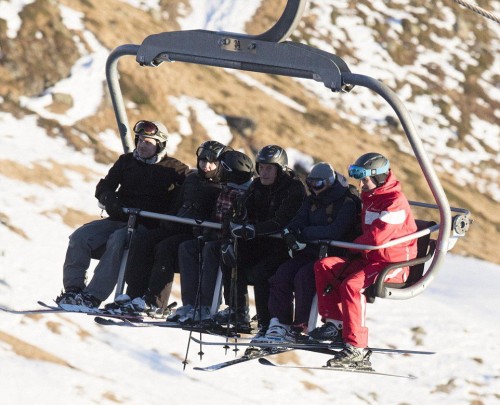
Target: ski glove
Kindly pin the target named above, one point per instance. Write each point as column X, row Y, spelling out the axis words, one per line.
column 291, row 242
column 113, row 206
column 228, row 254
column 243, row 231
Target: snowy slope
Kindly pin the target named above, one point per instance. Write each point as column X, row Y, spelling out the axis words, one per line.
column 60, row 359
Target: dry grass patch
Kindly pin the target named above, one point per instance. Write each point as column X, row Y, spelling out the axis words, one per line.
column 111, row 396
column 82, row 333
column 288, row 357
column 310, row 386
column 47, row 173
column 54, row 327
column 71, row 217
column 5, row 221
column 31, row 352
column 35, row 174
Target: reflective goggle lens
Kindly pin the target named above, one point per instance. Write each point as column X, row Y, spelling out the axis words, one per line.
column 315, row 183
column 206, row 154
column 358, row 172
column 145, row 128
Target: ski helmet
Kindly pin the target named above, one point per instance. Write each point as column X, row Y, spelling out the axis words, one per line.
column 272, row 154
column 152, row 129
column 322, row 174
column 210, row 151
column 373, row 165
column 236, row 167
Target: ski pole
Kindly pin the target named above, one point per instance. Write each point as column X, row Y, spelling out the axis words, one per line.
column 197, row 300
column 131, row 226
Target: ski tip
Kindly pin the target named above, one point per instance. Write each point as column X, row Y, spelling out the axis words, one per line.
column 266, row 362
column 202, row 369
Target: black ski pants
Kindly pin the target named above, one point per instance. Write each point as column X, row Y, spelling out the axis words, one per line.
column 258, row 260
column 153, row 261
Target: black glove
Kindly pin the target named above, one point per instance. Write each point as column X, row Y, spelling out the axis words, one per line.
column 113, row 206
column 291, row 242
column 243, row 231
column 228, row 254
column 197, row 231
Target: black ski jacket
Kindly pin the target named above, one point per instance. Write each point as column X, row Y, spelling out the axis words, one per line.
column 328, row 215
column 196, row 200
column 150, row 187
column 270, row 208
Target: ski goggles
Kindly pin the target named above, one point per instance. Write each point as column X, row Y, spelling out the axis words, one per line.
column 225, row 166
column 317, row 183
column 359, row 172
column 207, row 154
column 146, row 128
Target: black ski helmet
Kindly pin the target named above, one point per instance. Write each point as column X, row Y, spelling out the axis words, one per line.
column 152, row 129
column 210, row 151
column 272, row 154
column 373, row 165
column 236, row 167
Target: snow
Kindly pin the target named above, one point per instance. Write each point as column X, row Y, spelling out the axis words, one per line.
column 85, row 84
column 82, row 362
column 364, row 108
column 9, row 11
column 214, row 124
column 219, row 15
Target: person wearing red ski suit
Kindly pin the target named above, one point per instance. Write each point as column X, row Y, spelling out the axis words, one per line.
column 340, row 281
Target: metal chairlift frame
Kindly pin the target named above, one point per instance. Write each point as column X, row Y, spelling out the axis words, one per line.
column 271, row 53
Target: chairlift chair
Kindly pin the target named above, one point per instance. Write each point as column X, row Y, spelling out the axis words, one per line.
column 271, row 53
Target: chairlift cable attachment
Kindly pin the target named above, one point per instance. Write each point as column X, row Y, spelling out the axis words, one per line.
column 478, row 10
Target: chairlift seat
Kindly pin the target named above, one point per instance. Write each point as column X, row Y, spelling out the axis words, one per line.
column 425, row 250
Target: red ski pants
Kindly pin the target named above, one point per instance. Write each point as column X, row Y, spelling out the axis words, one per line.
column 340, row 285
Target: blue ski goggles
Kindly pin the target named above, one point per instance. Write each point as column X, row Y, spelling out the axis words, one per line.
column 359, row 172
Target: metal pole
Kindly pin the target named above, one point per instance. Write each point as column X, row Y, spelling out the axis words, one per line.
column 115, row 92
column 429, row 174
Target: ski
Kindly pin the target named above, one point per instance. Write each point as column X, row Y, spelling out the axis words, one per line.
column 214, row 329
column 124, row 322
column 29, row 311
column 253, row 353
column 117, row 320
column 266, row 362
column 93, row 311
column 249, row 355
column 310, row 346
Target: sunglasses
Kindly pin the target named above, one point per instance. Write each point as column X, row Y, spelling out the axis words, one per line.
column 207, row 154
column 315, row 183
column 147, row 128
column 359, row 172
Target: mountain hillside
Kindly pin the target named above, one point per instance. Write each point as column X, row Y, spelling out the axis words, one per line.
column 58, row 137
column 442, row 60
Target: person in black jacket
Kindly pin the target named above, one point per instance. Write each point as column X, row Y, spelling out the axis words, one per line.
column 270, row 203
column 328, row 213
column 153, row 258
column 199, row 259
column 147, row 179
